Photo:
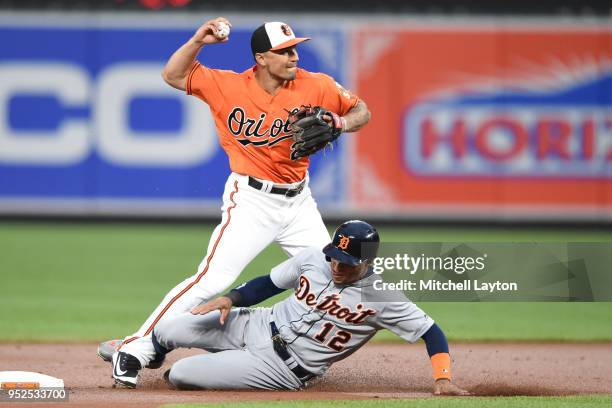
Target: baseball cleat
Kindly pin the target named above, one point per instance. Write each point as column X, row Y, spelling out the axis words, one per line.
column 106, row 349
column 125, row 369
column 157, row 362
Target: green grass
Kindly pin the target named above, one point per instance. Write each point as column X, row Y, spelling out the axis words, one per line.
column 520, row 321
column 86, row 282
column 591, row 401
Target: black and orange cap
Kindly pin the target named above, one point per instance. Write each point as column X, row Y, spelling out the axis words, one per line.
column 274, row 36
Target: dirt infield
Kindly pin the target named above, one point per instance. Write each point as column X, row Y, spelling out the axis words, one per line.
column 375, row 371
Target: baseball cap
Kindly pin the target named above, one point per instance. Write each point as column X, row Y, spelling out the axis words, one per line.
column 274, row 36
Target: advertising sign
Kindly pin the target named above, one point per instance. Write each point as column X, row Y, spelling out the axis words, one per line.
column 88, row 125
column 514, row 120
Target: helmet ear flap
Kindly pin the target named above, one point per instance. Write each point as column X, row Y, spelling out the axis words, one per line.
column 369, row 250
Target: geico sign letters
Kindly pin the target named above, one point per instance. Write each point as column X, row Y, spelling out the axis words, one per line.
column 107, row 129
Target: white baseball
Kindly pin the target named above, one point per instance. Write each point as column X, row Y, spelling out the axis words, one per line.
column 223, row 30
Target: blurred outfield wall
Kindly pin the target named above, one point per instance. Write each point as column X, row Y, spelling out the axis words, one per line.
column 473, row 118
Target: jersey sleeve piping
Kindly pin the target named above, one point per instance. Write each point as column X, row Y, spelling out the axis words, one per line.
column 195, row 66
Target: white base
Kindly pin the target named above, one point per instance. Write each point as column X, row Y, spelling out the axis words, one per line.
column 44, row 381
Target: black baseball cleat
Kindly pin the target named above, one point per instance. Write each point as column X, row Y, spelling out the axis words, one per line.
column 157, row 362
column 125, row 369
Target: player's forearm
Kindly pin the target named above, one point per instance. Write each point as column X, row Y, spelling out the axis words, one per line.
column 178, row 66
column 254, row 291
column 435, row 340
column 437, row 348
column 357, row 117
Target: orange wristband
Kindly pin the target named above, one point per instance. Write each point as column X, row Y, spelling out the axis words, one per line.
column 440, row 363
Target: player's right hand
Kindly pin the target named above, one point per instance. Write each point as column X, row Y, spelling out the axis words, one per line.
column 222, row 303
column 206, row 33
column 445, row 387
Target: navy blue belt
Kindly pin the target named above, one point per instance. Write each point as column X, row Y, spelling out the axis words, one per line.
column 287, row 192
column 280, row 347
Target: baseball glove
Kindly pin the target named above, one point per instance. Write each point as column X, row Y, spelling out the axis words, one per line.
column 311, row 132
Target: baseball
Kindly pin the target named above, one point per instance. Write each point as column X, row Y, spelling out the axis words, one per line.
column 223, row 30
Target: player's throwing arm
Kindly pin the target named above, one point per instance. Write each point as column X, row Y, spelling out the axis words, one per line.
column 178, row 66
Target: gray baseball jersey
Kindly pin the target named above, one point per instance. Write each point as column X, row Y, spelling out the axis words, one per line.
column 321, row 323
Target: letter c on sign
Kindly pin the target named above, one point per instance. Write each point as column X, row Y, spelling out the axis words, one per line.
column 119, row 144
column 68, row 144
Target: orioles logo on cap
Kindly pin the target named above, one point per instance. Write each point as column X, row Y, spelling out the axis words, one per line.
column 344, row 242
column 286, row 30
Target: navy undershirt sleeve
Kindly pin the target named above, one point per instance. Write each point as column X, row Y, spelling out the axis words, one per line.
column 254, row 291
column 435, row 340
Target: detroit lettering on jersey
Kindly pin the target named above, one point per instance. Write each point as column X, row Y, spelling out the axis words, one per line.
column 331, row 304
column 252, row 124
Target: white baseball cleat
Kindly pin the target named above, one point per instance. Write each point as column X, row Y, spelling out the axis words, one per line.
column 125, row 369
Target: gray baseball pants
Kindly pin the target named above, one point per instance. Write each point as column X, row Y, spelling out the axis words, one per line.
column 241, row 351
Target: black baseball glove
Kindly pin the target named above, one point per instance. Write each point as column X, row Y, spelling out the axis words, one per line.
column 311, row 132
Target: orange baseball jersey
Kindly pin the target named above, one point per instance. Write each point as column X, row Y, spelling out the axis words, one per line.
column 252, row 124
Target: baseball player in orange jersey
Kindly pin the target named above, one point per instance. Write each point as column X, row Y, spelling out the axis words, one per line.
column 266, row 197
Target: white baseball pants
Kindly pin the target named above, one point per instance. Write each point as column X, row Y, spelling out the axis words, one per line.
column 251, row 220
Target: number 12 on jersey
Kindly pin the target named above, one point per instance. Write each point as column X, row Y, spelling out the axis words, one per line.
column 339, row 339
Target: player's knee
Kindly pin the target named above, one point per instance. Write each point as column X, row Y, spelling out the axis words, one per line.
column 176, row 377
column 180, row 378
column 164, row 332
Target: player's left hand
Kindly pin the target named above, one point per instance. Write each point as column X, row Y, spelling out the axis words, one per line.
column 334, row 121
column 446, row 387
column 313, row 128
column 222, row 303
